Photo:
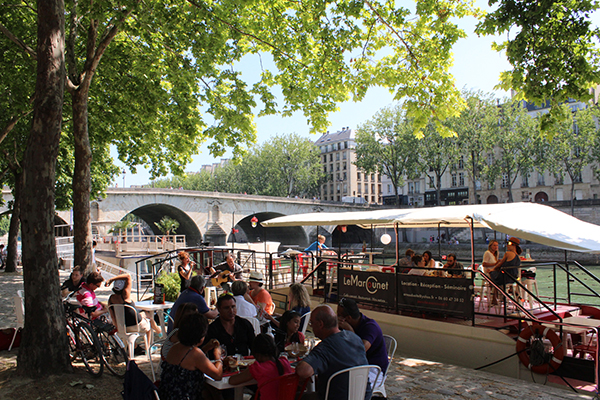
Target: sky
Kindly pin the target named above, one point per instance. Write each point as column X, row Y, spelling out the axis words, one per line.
column 476, row 67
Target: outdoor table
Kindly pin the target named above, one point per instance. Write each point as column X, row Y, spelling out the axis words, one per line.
column 584, row 325
column 148, row 305
column 370, row 254
column 224, row 384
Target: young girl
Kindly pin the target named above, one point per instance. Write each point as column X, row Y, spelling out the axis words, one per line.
column 267, row 367
column 288, row 333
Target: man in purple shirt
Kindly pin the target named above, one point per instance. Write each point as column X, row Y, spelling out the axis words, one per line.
column 350, row 318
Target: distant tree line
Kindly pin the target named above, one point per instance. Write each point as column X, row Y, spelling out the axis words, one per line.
column 492, row 141
column 288, row 165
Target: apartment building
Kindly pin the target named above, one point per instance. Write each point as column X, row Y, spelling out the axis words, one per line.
column 345, row 182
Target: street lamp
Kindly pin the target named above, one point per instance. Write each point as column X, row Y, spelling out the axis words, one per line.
column 124, row 172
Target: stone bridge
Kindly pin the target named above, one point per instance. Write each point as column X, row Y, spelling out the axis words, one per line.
column 204, row 216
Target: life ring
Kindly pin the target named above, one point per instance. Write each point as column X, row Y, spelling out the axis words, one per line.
column 545, row 333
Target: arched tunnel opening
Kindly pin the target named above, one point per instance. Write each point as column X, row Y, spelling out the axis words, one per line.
column 354, row 237
column 291, row 236
column 152, row 213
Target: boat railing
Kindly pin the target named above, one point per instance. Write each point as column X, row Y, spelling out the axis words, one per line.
column 570, row 275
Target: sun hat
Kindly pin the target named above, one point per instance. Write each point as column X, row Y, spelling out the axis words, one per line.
column 516, row 242
column 118, row 285
column 256, row 276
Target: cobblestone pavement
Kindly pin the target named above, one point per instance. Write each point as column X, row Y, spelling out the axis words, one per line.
column 408, row 378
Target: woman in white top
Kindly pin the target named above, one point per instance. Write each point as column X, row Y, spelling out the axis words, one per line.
column 490, row 257
column 428, row 258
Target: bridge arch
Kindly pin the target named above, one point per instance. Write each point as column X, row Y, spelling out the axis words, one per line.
column 292, row 235
column 152, row 213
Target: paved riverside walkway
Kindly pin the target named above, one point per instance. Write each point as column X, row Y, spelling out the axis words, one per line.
column 408, row 378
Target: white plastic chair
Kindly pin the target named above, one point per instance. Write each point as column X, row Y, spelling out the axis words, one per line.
column 255, row 324
column 390, row 345
column 305, row 322
column 19, row 305
column 118, row 310
column 357, row 381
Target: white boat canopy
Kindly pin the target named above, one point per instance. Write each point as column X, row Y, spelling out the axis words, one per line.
column 530, row 221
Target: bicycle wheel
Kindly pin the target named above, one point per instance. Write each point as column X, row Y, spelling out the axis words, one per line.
column 114, row 354
column 72, row 342
column 89, row 349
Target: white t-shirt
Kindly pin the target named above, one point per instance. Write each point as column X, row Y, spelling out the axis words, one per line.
column 488, row 257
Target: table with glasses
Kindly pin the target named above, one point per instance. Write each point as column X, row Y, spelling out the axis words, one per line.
column 149, row 306
column 224, row 384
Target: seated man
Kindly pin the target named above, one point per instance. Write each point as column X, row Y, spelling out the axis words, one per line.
column 338, row 350
column 193, row 294
column 235, row 270
column 260, row 296
column 73, row 283
column 405, row 264
column 350, row 318
column 453, row 267
column 236, row 333
column 245, row 308
column 86, row 296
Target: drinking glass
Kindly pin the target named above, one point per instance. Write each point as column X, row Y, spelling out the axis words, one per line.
column 223, row 351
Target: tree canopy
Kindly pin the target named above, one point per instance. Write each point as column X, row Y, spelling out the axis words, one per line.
column 552, row 47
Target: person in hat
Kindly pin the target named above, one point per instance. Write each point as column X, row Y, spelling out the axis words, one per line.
column 260, row 296
column 122, row 295
column 508, row 265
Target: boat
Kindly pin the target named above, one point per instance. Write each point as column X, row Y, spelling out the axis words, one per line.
column 447, row 320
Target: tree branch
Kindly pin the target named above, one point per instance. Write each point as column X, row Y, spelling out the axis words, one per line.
column 11, row 124
column 249, row 35
column 383, row 21
column 18, row 42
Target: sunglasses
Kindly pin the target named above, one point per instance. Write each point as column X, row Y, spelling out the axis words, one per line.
column 226, row 294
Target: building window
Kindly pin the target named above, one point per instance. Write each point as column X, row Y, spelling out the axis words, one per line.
column 344, row 165
column 344, row 155
column 338, row 188
column 325, row 189
column 453, row 184
column 461, row 179
column 540, row 180
column 337, row 176
column 372, row 177
column 325, row 169
column 358, row 176
column 389, row 188
column 372, row 199
column 366, row 188
column 378, row 178
column 525, row 195
column 505, row 180
column 345, row 188
column 372, row 188
column 337, row 166
column 525, row 181
column 359, row 189
column 337, row 156
column 331, row 158
column 345, row 145
column 577, row 179
column 417, row 187
column 461, row 163
column 344, row 177
column 379, row 189
column 411, row 187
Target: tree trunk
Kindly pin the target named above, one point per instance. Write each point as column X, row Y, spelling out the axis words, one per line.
column 44, row 349
column 82, row 225
column 572, row 197
column 12, row 247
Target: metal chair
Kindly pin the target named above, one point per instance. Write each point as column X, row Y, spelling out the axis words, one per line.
column 390, row 344
column 128, row 337
column 305, row 322
column 19, row 306
column 358, row 377
column 255, row 324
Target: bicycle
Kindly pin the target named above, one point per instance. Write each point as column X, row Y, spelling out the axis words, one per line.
column 83, row 341
column 96, row 341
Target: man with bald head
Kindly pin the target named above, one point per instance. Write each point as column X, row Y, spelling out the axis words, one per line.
column 338, row 350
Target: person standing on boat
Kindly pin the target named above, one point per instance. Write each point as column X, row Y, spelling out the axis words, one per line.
column 351, row 319
column 317, row 245
column 490, row 257
column 185, row 270
column 509, row 264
